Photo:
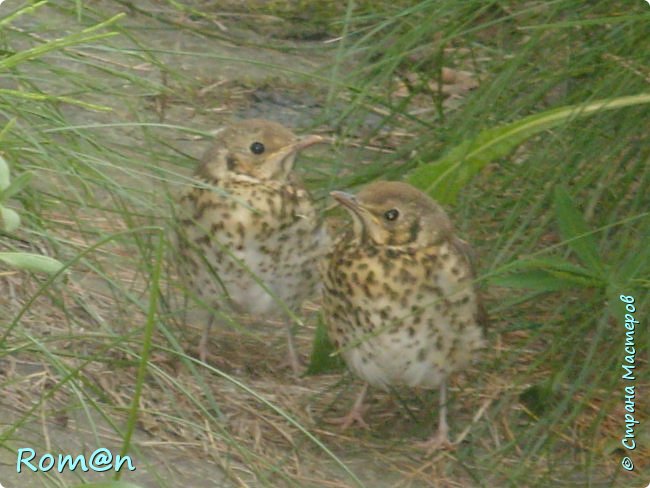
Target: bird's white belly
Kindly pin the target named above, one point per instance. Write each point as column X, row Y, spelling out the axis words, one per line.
column 418, row 360
column 388, row 365
column 253, row 288
column 259, row 283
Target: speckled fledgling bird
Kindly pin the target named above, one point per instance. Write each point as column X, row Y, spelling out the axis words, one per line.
column 250, row 239
column 398, row 295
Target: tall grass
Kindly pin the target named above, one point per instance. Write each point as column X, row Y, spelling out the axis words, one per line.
column 109, row 118
column 561, row 328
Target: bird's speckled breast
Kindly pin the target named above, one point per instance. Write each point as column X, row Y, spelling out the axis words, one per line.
column 262, row 241
column 403, row 316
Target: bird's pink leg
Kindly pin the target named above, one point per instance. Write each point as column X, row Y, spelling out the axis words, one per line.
column 355, row 415
column 205, row 336
column 292, row 356
column 440, row 440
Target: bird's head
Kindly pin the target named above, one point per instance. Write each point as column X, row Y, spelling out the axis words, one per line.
column 393, row 213
column 258, row 148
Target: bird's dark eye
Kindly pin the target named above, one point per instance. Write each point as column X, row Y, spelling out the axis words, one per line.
column 391, row 214
column 257, row 148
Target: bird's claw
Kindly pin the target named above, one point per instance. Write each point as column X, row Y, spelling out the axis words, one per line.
column 354, row 416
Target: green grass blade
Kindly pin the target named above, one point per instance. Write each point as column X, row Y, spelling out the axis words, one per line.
column 574, row 229
column 322, row 360
column 444, row 178
column 146, row 347
column 548, row 274
column 85, row 35
column 109, row 484
column 15, row 187
column 537, row 280
column 26, row 10
column 40, row 97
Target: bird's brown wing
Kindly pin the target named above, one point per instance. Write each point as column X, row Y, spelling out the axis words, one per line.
column 469, row 254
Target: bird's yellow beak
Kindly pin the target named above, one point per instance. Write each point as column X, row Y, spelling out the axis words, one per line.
column 294, row 148
column 364, row 222
column 348, row 200
column 351, row 202
column 307, row 141
column 282, row 161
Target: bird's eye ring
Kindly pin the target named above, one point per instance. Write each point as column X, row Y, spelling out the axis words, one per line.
column 257, row 148
column 391, row 214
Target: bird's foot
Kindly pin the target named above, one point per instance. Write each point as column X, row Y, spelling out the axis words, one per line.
column 354, row 416
column 293, row 358
column 437, row 442
column 294, row 362
column 202, row 350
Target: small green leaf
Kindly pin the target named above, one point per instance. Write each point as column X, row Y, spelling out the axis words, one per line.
column 31, row 262
column 574, row 229
column 16, row 186
column 5, row 179
column 9, row 220
column 321, row 360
